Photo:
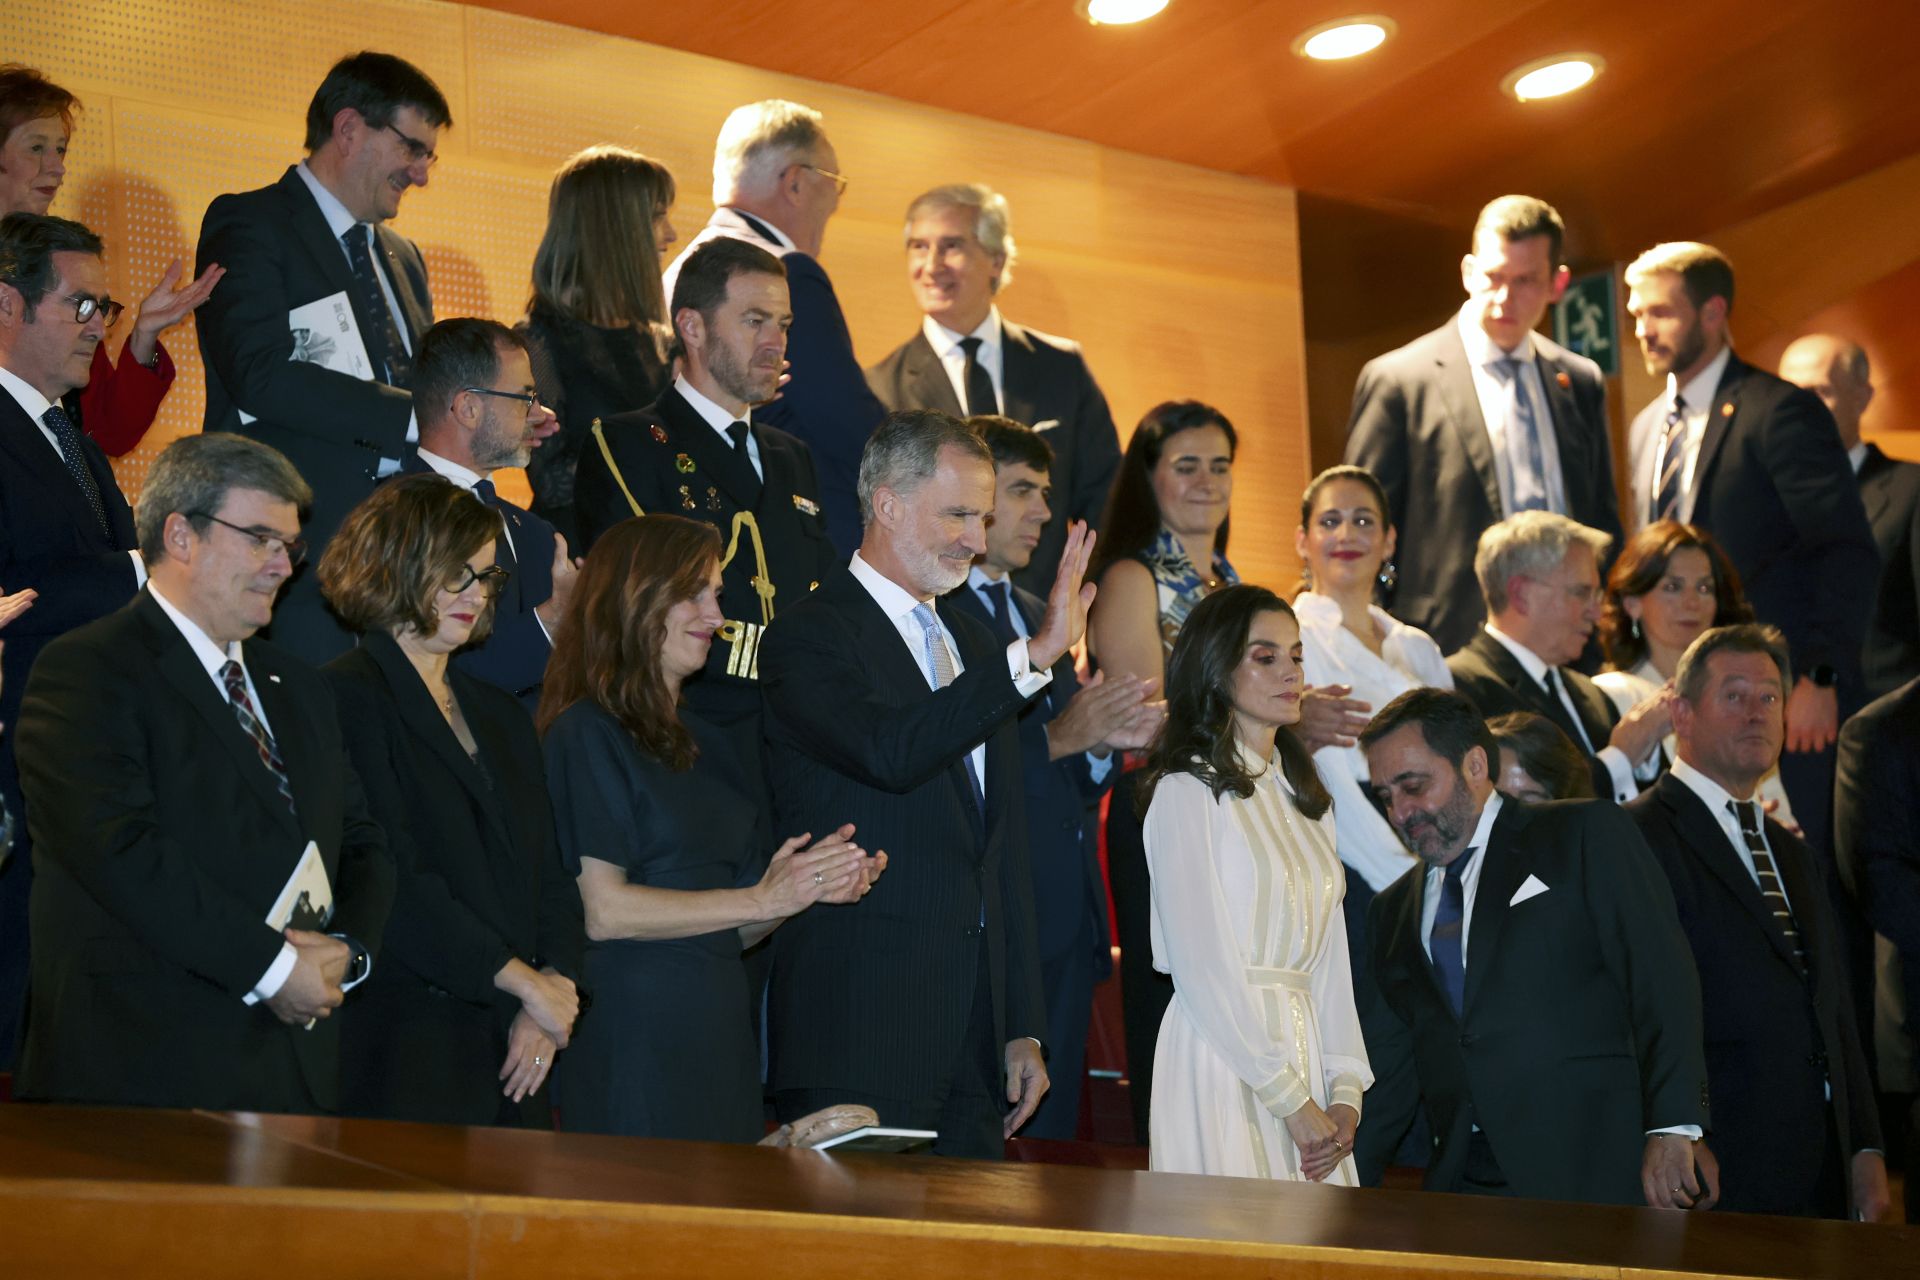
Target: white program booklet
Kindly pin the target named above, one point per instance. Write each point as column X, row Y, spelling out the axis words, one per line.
column 880, row 1139
column 325, row 333
column 307, row 900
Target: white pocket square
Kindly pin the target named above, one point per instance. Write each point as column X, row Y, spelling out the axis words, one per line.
column 1048, row 425
column 1531, row 888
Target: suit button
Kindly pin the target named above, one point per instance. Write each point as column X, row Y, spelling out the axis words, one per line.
column 1469, row 1040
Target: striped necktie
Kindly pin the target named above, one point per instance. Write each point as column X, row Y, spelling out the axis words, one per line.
column 235, row 679
column 1771, row 890
column 1673, row 457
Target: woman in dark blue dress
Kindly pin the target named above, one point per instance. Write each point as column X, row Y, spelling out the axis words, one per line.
column 674, row 857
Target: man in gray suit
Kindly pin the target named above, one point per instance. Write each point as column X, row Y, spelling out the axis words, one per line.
column 1481, row 419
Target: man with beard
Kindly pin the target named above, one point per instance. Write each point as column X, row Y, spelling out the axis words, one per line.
column 1756, row 462
column 473, row 392
column 1534, row 985
column 898, row 715
column 699, row 452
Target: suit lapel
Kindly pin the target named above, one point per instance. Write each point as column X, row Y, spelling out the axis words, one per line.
column 971, row 654
column 1721, row 417
column 927, row 381
column 1411, row 946
column 416, row 311
column 310, row 228
column 1565, row 413
column 1873, row 497
column 1463, row 407
column 299, row 754
column 426, row 723
column 1503, row 869
column 1017, row 374
column 712, row 457
column 29, row 451
column 1706, row 841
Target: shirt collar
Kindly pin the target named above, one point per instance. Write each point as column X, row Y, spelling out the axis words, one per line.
column 894, row 600
column 1480, row 348
column 1711, row 793
column 710, row 413
column 1482, row 832
column 784, row 240
column 339, row 219
column 27, row 397
column 1699, row 391
column 1535, row 666
column 211, row 655
column 1858, row 456
column 465, row 477
column 945, row 341
column 982, row 581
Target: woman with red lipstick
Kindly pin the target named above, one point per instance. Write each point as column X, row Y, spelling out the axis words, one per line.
column 473, row 992
column 657, row 819
column 1261, row 1065
column 119, row 401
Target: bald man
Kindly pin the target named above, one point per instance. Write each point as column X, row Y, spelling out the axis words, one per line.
column 1836, row 370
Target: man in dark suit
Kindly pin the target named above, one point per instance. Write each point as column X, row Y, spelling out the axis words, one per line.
column 1069, row 735
column 473, row 393
column 1837, row 371
column 900, row 718
column 313, row 243
column 186, row 785
column 1540, row 575
column 1793, row 1111
column 776, row 183
column 1756, row 462
column 966, row 359
column 1481, row 419
column 65, row 532
column 701, row 451
column 1877, row 840
column 1534, row 986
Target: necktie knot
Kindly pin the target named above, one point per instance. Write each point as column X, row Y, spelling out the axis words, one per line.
column 483, row 489
column 737, row 432
column 1677, row 410
column 234, row 678
column 1747, row 813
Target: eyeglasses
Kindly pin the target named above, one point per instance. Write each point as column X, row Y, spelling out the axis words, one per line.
column 1580, row 593
column 416, row 149
column 266, row 544
column 839, row 180
column 85, row 308
column 492, row 580
column 532, row 402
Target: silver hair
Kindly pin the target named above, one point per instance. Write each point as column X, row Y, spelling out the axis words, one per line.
column 992, row 219
column 758, row 141
column 1690, row 677
column 1529, row 545
column 195, row 474
column 904, row 452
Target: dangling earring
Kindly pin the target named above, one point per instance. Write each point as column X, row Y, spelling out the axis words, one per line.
column 1636, row 628
column 1306, row 576
column 1388, row 576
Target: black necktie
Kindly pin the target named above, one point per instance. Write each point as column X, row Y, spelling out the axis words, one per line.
column 385, row 347
column 737, row 432
column 1771, row 890
column 1565, row 717
column 67, row 436
column 980, row 397
column 1449, row 929
column 1673, row 457
column 502, row 545
column 998, row 596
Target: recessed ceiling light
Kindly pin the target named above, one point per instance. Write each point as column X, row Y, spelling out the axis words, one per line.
column 1344, row 37
column 1551, row 77
column 1117, row 13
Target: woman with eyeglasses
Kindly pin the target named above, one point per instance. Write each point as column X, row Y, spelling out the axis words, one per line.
column 473, row 994
column 119, row 401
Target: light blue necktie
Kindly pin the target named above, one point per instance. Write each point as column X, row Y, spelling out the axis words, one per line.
column 1526, row 465
column 940, row 667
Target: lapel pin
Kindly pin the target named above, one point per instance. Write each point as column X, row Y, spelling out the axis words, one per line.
column 686, row 498
column 1564, row 381
column 274, row 678
column 659, row 433
column 683, row 464
column 713, row 498
column 1726, row 410
column 807, row 505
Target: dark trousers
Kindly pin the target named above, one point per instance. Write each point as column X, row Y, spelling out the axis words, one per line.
column 1144, row 994
column 16, row 887
column 1483, row 1175
column 1068, row 980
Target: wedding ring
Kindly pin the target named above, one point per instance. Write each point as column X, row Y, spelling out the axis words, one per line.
column 538, row 1061
column 817, row 879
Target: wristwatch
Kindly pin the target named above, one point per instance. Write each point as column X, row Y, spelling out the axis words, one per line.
column 1822, row 675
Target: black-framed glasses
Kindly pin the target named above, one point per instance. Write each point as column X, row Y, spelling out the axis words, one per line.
column 492, row 580
column 265, row 542
column 532, row 402
column 839, row 180
column 85, row 308
column 416, row 149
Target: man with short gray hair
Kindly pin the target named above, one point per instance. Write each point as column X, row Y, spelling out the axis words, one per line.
column 967, row 359
column 897, row 713
column 1540, row 578
column 776, row 182
column 208, row 881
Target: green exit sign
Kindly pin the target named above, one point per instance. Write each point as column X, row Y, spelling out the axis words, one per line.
column 1586, row 320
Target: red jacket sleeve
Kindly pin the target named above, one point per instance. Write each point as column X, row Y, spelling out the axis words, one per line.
column 119, row 402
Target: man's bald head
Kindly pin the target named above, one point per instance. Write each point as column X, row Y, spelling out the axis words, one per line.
column 1836, row 370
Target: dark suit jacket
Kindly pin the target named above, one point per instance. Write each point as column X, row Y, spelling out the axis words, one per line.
column 1069, row 895
column 161, row 843
column 1496, row 682
column 1045, row 383
column 827, row 405
column 1774, row 488
column 714, row 484
column 1581, row 1028
column 280, row 254
column 1876, row 824
column 1417, row 425
column 480, row 883
column 514, row 654
column 1774, row 1036
column 874, row 998
column 1890, row 492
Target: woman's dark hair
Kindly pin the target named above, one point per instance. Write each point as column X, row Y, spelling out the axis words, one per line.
column 608, row 651
column 1642, row 563
column 399, row 549
column 27, row 95
column 1346, row 471
column 1198, row 737
column 1132, row 519
column 1545, row 751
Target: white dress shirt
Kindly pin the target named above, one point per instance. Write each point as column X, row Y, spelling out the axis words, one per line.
column 466, row 478
column 35, row 406
column 953, row 358
column 1496, row 397
column 982, row 583
column 1619, row 768
column 1699, row 394
column 1717, row 798
column 719, row 419
column 898, row 604
column 1858, row 456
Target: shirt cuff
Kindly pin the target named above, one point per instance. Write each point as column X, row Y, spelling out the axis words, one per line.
column 1620, row 769
column 1100, row 766
column 275, row 977
column 139, row 570
column 1346, row 1091
column 1684, row 1130
column 543, row 627
column 1026, row 681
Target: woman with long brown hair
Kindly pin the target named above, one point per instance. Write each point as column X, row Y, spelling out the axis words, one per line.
column 1260, row 1065
column 658, row 821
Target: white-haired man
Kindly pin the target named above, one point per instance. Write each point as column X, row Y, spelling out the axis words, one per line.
column 776, row 182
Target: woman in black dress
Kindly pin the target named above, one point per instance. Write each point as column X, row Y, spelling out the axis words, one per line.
column 658, row 821
column 473, row 992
